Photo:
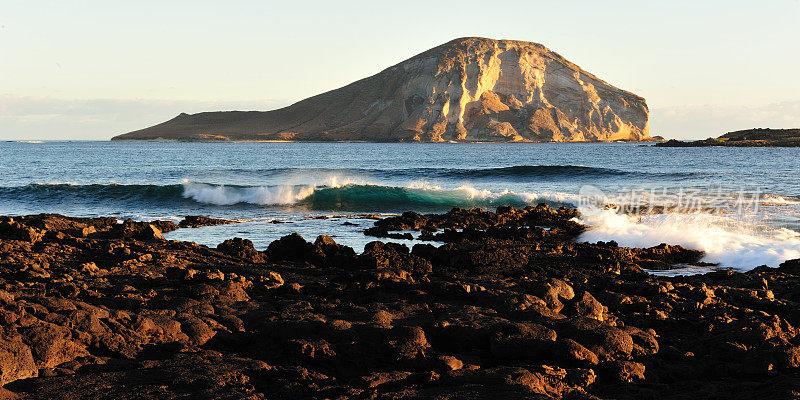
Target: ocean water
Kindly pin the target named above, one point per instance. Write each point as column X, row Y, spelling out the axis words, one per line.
column 740, row 205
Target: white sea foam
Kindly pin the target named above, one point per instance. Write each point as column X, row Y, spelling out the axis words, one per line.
column 262, row 195
column 422, row 191
column 729, row 242
column 150, row 218
column 227, row 195
column 773, row 199
column 726, row 240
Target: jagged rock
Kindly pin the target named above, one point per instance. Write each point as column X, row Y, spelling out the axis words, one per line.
column 104, row 315
column 626, row 371
column 197, row 330
column 408, row 342
column 587, row 306
column 290, row 248
column 241, row 248
column 450, row 363
column 136, row 230
column 51, row 345
column 393, row 256
column 196, row 221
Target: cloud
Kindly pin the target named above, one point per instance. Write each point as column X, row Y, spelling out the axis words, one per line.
column 703, row 121
column 24, row 117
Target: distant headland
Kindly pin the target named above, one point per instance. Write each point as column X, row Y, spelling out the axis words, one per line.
column 759, row 137
column 466, row 90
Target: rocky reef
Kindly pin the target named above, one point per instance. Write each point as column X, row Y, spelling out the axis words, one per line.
column 511, row 306
column 469, row 89
column 759, row 137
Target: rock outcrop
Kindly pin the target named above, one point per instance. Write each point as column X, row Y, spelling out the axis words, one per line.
column 469, row 89
column 509, row 307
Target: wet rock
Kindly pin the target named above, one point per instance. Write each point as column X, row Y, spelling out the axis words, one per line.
column 150, row 232
column 130, row 229
column 196, row 221
column 331, row 254
column 164, row 226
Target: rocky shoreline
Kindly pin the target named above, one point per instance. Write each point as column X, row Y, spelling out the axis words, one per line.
column 511, row 306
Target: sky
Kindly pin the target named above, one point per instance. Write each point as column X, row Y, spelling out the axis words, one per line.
column 95, row 69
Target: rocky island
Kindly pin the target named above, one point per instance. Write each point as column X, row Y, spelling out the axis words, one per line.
column 759, row 137
column 510, row 306
column 466, row 90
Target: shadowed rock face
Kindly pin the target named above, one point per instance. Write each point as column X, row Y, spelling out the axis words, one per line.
column 469, row 89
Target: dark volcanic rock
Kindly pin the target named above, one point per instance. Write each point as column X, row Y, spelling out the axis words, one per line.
column 510, row 307
column 196, row 221
column 241, row 248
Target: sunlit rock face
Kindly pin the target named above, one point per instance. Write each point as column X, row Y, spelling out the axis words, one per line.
column 470, row 89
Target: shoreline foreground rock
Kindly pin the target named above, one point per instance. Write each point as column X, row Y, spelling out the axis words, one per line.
column 466, row 90
column 511, row 306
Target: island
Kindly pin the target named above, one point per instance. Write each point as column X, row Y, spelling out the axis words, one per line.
column 759, row 137
column 467, row 90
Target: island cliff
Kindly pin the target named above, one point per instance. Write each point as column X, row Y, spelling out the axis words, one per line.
column 468, row 90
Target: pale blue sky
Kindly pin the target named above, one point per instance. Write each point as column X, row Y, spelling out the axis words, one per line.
column 94, row 69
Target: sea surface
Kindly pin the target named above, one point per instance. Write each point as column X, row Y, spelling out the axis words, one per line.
column 740, row 205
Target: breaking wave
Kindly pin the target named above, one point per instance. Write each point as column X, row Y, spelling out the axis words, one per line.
column 775, row 200
column 367, row 197
column 730, row 242
column 331, row 196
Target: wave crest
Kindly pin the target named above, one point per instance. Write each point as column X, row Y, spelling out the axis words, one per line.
column 222, row 195
column 729, row 242
column 366, row 196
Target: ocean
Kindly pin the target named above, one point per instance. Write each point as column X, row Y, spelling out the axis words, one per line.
column 739, row 205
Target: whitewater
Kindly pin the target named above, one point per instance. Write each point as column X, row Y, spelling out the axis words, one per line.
column 690, row 197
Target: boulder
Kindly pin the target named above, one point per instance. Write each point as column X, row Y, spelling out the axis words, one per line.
column 16, row 361
column 241, row 248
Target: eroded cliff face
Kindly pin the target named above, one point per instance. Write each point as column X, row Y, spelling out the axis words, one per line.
column 470, row 89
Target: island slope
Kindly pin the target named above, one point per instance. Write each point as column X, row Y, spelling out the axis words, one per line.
column 469, row 89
